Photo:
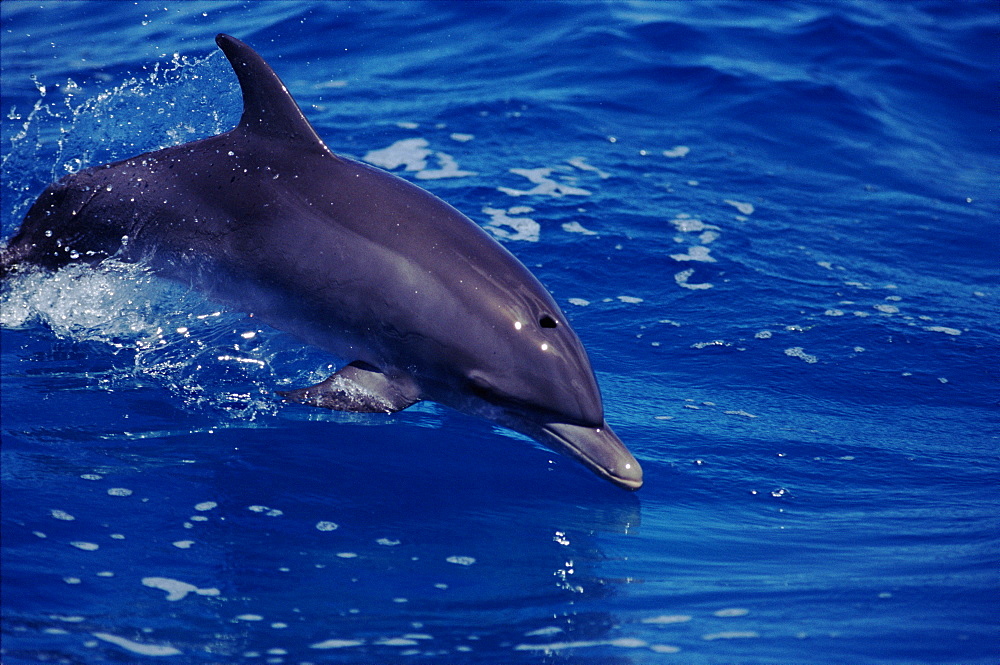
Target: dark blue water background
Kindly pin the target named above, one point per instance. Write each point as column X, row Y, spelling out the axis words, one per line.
column 774, row 225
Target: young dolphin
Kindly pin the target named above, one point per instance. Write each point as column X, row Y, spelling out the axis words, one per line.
column 422, row 301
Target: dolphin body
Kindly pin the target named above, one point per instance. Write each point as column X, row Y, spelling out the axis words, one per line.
column 422, row 301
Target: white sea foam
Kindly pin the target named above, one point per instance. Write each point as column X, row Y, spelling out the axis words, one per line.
column 544, row 185
column 520, row 228
column 696, row 253
column 798, row 352
column 270, row 512
column 409, row 153
column 137, row 647
column 176, row 590
column 336, row 644
column 667, row 619
column 547, row 630
column 682, row 280
column 447, row 168
column 730, row 635
column 744, row 208
column 576, row 227
column 677, row 151
column 413, row 154
column 687, row 224
column 943, row 329
column 624, row 642
column 81, row 303
column 581, row 163
column 397, row 642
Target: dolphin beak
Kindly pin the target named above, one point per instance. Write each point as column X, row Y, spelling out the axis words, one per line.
column 599, row 449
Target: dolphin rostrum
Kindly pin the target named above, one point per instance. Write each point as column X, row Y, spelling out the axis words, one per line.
column 423, row 302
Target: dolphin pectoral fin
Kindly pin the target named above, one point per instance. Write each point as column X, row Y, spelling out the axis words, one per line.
column 358, row 387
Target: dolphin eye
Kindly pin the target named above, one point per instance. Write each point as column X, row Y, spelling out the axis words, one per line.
column 547, row 322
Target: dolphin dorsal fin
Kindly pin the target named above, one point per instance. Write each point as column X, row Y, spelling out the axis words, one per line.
column 268, row 107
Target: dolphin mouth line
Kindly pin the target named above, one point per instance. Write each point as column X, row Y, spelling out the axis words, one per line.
column 627, row 482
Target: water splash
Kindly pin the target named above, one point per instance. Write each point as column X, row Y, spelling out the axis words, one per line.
column 70, row 128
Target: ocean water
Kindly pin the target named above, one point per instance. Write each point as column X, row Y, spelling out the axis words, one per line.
column 775, row 226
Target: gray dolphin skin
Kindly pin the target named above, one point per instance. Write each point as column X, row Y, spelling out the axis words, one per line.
column 421, row 301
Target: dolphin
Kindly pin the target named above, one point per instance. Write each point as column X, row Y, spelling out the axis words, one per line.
column 422, row 302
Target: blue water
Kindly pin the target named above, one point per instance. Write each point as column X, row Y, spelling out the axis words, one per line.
column 775, row 226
